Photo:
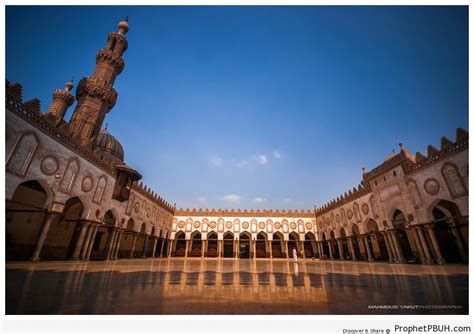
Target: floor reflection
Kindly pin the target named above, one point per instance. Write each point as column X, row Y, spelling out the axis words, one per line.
column 211, row 286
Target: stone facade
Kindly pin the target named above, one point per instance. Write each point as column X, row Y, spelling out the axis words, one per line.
column 70, row 195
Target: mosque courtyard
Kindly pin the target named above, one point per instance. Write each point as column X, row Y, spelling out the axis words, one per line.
column 234, row 286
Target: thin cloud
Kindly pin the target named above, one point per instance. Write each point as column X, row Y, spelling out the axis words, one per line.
column 259, row 200
column 216, row 161
column 277, row 154
column 262, row 159
column 241, row 163
column 231, row 198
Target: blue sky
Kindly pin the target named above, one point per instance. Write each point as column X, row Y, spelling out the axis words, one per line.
column 257, row 107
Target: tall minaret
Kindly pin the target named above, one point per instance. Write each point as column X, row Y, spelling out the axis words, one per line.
column 62, row 99
column 95, row 94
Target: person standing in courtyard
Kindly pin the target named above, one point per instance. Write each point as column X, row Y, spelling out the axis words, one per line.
column 295, row 255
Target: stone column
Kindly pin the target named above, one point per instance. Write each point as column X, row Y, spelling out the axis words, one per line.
column 90, row 230
column 108, row 244
column 303, row 255
column 80, row 241
column 145, row 244
column 186, row 248
column 330, row 249
column 43, row 234
column 367, row 248
column 320, row 249
column 419, row 249
column 134, row 241
column 351, row 249
column 92, row 241
column 434, row 241
column 457, row 237
column 117, row 245
column 269, row 243
column 285, row 243
column 162, row 247
column 391, row 258
column 155, row 240
column 397, row 247
column 203, row 247
column 341, row 249
column 170, row 247
column 424, row 245
column 314, row 248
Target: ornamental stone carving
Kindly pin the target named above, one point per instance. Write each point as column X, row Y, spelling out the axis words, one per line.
column 292, row 225
column 212, row 224
column 431, row 186
column 49, row 165
column 453, row 180
column 245, row 225
column 197, row 224
column 349, row 214
column 365, row 209
column 261, row 225
column 414, row 194
column 277, row 226
column 69, row 175
column 228, row 225
column 309, row 226
column 181, row 224
column 87, row 183
column 23, row 153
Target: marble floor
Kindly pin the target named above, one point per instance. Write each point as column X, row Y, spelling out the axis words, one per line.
column 229, row 286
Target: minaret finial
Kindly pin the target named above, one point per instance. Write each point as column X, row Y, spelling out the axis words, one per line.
column 123, row 26
column 106, row 127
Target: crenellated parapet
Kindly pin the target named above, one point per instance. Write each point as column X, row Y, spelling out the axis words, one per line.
column 348, row 196
column 154, row 197
column 245, row 213
column 447, row 148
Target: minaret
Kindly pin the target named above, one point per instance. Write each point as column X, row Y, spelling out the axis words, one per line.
column 62, row 100
column 95, row 94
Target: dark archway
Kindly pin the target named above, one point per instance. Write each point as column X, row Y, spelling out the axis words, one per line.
column 212, row 244
column 228, row 244
column 335, row 247
column 325, row 246
column 448, row 225
column 309, row 240
column 293, row 243
column 355, row 238
column 25, row 214
column 345, row 246
column 261, row 245
column 244, row 246
column 63, row 233
column 180, row 244
column 377, row 242
column 277, row 251
column 127, row 240
column 196, row 245
column 399, row 223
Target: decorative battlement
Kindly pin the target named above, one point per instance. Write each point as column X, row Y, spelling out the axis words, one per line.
column 447, row 148
column 244, row 213
column 348, row 196
column 154, row 197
